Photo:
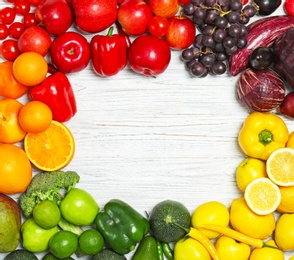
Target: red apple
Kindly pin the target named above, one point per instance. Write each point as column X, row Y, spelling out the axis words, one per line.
column 165, row 8
column 149, row 55
column 94, row 16
column 180, row 33
column 54, row 15
column 134, row 16
column 34, row 38
column 70, row 52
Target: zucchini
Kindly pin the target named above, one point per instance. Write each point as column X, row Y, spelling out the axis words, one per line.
column 169, row 221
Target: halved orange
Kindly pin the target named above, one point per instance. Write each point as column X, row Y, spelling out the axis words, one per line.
column 51, row 149
column 262, row 196
column 280, row 166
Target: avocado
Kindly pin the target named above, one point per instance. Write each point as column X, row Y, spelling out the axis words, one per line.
column 107, row 254
column 20, row 254
column 10, row 223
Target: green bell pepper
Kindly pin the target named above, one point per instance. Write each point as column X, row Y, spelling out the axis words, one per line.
column 121, row 226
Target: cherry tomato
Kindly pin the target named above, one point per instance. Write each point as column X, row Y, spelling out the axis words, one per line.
column 3, row 31
column 21, row 7
column 29, row 20
column 16, row 29
column 35, row 2
column 9, row 50
column 7, row 15
column 10, row 1
column 157, row 26
column 289, row 7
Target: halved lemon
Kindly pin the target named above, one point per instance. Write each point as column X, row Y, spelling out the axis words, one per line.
column 280, row 166
column 262, row 196
column 52, row 149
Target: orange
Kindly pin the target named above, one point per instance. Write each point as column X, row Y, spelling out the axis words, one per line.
column 51, row 149
column 262, row 196
column 35, row 117
column 280, row 166
column 30, row 68
column 10, row 129
column 9, row 86
column 15, row 169
column 287, row 200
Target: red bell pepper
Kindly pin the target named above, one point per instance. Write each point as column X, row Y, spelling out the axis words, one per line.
column 109, row 53
column 56, row 91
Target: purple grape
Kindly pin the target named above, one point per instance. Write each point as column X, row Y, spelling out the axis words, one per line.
column 198, row 69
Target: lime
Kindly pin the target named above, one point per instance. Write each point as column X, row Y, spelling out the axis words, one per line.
column 63, row 244
column 91, row 241
column 46, row 214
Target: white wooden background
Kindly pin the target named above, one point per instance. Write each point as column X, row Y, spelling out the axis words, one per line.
column 144, row 139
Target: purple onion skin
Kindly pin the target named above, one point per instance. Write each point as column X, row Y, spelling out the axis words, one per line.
column 262, row 33
column 287, row 106
column 260, row 90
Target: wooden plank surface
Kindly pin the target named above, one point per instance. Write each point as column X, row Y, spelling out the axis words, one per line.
column 145, row 140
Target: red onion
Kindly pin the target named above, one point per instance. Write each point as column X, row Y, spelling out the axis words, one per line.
column 260, row 90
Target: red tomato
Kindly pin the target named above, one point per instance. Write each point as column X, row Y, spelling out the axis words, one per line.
column 21, row 7
column 183, row 2
column 157, row 26
column 16, row 29
column 29, row 20
column 3, row 31
column 9, row 50
column 7, row 15
column 289, row 7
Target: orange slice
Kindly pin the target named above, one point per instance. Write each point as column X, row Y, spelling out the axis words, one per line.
column 262, row 196
column 280, row 166
column 51, row 149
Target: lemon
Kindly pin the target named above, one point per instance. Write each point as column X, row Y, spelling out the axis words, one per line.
column 287, row 200
column 262, row 196
column 211, row 212
column 244, row 220
column 249, row 170
column 280, row 166
column 284, row 233
column 46, row 214
column 267, row 253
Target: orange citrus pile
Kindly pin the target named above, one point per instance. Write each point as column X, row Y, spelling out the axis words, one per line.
column 15, row 169
column 35, row 117
column 51, row 149
column 30, row 68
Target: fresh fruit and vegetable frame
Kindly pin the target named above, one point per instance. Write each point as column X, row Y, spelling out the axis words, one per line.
column 159, row 129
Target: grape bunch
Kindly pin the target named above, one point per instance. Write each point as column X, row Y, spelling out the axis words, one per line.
column 222, row 31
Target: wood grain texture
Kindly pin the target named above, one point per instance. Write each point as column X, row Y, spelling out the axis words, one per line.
column 145, row 140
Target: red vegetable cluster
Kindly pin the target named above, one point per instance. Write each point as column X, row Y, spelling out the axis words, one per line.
column 45, row 28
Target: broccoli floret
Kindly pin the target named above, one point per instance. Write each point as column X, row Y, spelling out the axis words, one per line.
column 47, row 186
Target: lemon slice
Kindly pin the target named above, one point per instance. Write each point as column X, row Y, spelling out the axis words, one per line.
column 280, row 166
column 262, row 196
